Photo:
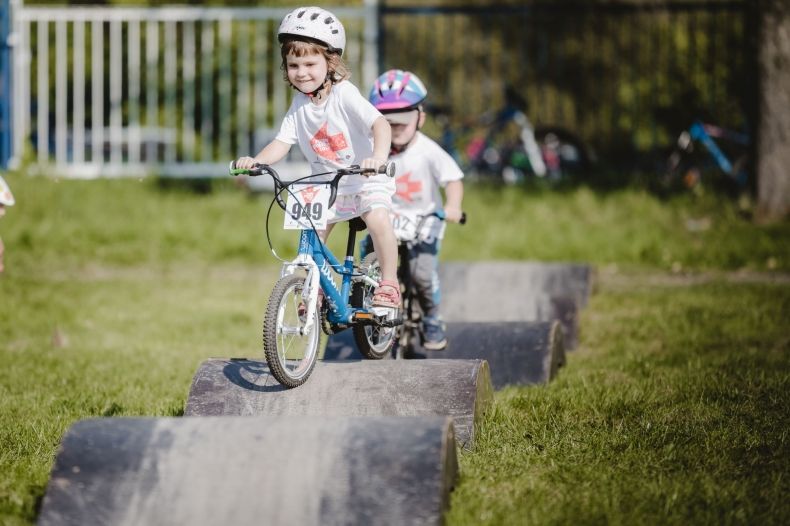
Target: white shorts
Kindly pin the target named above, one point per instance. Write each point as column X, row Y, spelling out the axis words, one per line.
column 349, row 206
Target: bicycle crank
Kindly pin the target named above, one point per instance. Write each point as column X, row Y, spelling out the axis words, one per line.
column 390, row 318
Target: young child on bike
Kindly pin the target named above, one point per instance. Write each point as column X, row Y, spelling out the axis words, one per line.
column 6, row 199
column 422, row 168
column 336, row 127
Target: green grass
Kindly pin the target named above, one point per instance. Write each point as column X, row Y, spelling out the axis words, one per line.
column 673, row 409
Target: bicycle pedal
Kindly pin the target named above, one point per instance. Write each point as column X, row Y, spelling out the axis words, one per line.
column 362, row 316
column 385, row 313
column 393, row 322
column 381, row 316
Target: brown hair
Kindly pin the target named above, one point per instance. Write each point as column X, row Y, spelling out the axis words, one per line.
column 337, row 69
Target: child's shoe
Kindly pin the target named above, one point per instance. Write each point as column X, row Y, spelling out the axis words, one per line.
column 387, row 294
column 433, row 336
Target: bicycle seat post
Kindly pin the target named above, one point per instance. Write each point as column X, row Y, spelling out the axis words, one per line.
column 354, row 225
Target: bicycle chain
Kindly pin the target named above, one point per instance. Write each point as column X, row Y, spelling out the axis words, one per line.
column 328, row 327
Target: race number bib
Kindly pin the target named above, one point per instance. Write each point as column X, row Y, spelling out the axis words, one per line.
column 405, row 227
column 425, row 230
column 307, row 208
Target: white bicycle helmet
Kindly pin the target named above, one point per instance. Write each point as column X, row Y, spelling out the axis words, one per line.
column 314, row 23
column 6, row 197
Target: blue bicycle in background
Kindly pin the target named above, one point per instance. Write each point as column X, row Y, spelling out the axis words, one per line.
column 294, row 316
column 688, row 163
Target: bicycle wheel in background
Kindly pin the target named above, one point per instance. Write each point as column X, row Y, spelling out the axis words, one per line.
column 290, row 353
column 373, row 342
column 564, row 153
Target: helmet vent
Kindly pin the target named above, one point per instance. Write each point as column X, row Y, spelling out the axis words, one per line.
column 314, row 16
column 301, row 14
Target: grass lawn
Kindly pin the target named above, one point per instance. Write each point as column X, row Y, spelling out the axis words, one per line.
column 672, row 410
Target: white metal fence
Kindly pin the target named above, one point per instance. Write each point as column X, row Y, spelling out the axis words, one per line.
column 176, row 91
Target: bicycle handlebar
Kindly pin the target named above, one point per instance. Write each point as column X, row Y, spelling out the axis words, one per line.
column 387, row 169
column 441, row 215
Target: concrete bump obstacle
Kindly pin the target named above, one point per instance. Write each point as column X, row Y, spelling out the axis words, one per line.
column 245, row 471
column 460, row 389
column 509, row 291
column 518, row 353
column 512, row 281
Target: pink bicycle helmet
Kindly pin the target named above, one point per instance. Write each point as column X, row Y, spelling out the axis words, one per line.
column 397, row 90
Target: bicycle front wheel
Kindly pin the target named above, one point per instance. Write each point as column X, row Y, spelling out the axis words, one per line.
column 290, row 350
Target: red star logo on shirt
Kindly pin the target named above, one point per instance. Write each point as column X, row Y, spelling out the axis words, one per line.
column 405, row 187
column 326, row 145
column 309, row 193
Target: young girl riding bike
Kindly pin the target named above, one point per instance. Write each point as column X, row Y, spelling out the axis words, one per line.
column 423, row 167
column 336, row 128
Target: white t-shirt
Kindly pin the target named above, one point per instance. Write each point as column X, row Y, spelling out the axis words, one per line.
column 334, row 134
column 419, row 172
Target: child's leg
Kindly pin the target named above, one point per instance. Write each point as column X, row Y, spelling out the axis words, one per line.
column 425, row 273
column 424, row 267
column 386, row 246
column 384, row 242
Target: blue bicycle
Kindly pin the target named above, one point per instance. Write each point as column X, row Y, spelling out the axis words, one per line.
column 687, row 163
column 294, row 314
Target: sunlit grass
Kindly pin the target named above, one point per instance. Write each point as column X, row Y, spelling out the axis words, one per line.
column 673, row 411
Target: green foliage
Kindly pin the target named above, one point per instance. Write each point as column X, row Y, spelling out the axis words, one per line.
column 671, row 410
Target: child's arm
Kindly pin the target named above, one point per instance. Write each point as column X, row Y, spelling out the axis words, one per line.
column 271, row 153
column 382, row 136
column 454, row 195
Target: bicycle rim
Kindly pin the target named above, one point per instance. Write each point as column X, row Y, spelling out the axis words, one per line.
column 290, row 353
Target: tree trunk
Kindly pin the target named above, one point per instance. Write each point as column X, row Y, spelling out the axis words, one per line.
column 773, row 129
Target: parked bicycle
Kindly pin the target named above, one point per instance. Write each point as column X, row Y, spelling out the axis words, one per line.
column 688, row 163
column 505, row 146
column 410, row 230
column 293, row 314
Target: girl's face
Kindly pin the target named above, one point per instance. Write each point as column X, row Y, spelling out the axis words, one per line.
column 307, row 73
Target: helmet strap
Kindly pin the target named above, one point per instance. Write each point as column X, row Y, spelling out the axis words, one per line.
column 318, row 93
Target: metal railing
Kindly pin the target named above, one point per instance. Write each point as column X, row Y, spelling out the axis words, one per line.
column 176, row 91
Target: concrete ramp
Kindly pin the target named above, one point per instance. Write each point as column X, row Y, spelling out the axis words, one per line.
column 501, row 284
column 460, row 389
column 518, row 353
column 510, row 291
column 252, row 471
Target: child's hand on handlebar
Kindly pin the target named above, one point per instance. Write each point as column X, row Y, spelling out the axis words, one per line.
column 452, row 214
column 246, row 163
column 371, row 165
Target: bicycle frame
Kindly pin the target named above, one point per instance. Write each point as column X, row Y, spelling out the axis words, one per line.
column 705, row 133
column 321, row 264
